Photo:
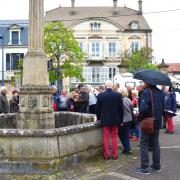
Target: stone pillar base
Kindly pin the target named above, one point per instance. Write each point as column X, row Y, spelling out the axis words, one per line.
column 35, row 108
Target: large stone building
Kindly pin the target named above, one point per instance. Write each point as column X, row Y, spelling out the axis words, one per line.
column 15, row 35
column 104, row 33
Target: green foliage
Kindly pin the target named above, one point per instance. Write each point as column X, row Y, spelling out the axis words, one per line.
column 150, row 66
column 61, row 46
column 139, row 60
column 20, row 68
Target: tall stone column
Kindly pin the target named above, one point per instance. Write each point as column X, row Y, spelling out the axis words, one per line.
column 35, row 98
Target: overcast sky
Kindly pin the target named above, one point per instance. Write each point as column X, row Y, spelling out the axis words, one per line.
column 166, row 26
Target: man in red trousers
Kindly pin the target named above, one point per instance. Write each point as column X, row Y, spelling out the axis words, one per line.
column 109, row 109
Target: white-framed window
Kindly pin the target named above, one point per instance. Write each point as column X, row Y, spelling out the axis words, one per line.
column 112, row 49
column 12, row 60
column 95, row 26
column 95, row 49
column 81, row 45
column 97, row 75
column 134, row 25
column 135, row 46
column 15, row 35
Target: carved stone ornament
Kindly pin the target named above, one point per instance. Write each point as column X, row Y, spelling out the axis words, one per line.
column 32, row 102
column 45, row 101
column 22, row 102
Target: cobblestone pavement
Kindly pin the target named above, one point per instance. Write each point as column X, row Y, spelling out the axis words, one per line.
column 120, row 169
column 98, row 169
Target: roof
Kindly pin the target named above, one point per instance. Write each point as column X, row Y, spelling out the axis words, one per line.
column 173, row 67
column 4, row 30
column 123, row 19
column 7, row 23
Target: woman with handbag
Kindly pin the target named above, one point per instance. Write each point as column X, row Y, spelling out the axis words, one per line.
column 151, row 107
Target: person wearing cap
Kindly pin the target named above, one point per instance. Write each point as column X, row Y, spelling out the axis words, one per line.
column 14, row 102
column 4, row 104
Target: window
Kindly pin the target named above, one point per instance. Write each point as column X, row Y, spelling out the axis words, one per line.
column 95, row 26
column 81, row 45
column 15, row 37
column 12, row 60
column 135, row 46
column 112, row 72
column 112, row 49
column 97, row 75
column 95, row 49
column 134, row 25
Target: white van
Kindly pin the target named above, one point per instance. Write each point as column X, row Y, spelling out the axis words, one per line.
column 126, row 79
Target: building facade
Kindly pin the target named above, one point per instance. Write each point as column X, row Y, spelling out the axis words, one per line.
column 104, row 34
column 15, row 36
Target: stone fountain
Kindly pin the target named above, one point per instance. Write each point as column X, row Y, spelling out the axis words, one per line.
column 39, row 141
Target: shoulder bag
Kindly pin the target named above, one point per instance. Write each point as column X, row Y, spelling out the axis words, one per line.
column 147, row 124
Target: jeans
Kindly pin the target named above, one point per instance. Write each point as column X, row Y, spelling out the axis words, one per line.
column 135, row 130
column 144, row 145
column 124, row 136
column 110, row 131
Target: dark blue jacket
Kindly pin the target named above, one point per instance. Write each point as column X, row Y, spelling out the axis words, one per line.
column 109, row 108
column 170, row 102
column 145, row 108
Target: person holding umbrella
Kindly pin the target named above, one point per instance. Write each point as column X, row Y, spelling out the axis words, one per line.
column 151, row 106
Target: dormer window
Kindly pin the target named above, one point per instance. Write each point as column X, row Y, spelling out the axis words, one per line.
column 134, row 25
column 15, row 37
column 14, row 34
column 95, row 26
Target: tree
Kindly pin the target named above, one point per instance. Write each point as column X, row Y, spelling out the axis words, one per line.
column 64, row 51
column 139, row 59
column 19, row 73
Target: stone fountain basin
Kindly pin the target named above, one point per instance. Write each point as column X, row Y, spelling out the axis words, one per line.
column 50, row 150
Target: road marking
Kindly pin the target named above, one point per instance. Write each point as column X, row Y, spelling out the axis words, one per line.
column 122, row 176
column 170, row 147
column 164, row 147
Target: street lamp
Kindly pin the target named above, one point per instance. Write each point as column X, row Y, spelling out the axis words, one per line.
column 2, row 38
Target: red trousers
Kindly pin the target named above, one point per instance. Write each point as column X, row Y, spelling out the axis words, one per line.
column 169, row 124
column 110, row 131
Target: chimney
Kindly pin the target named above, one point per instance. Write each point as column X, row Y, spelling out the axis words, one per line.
column 73, row 5
column 115, row 7
column 140, row 7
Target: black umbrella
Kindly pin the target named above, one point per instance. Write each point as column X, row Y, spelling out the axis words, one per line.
column 153, row 77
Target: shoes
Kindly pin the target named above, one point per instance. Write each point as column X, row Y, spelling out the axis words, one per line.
column 170, row 132
column 115, row 158
column 130, row 136
column 106, row 158
column 155, row 169
column 135, row 139
column 141, row 171
column 127, row 152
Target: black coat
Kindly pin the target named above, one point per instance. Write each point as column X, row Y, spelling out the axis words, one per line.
column 109, row 108
column 83, row 102
column 4, row 104
column 14, row 104
column 145, row 108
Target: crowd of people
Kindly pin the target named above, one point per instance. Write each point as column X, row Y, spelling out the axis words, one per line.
column 120, row 111
column 11, row 106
